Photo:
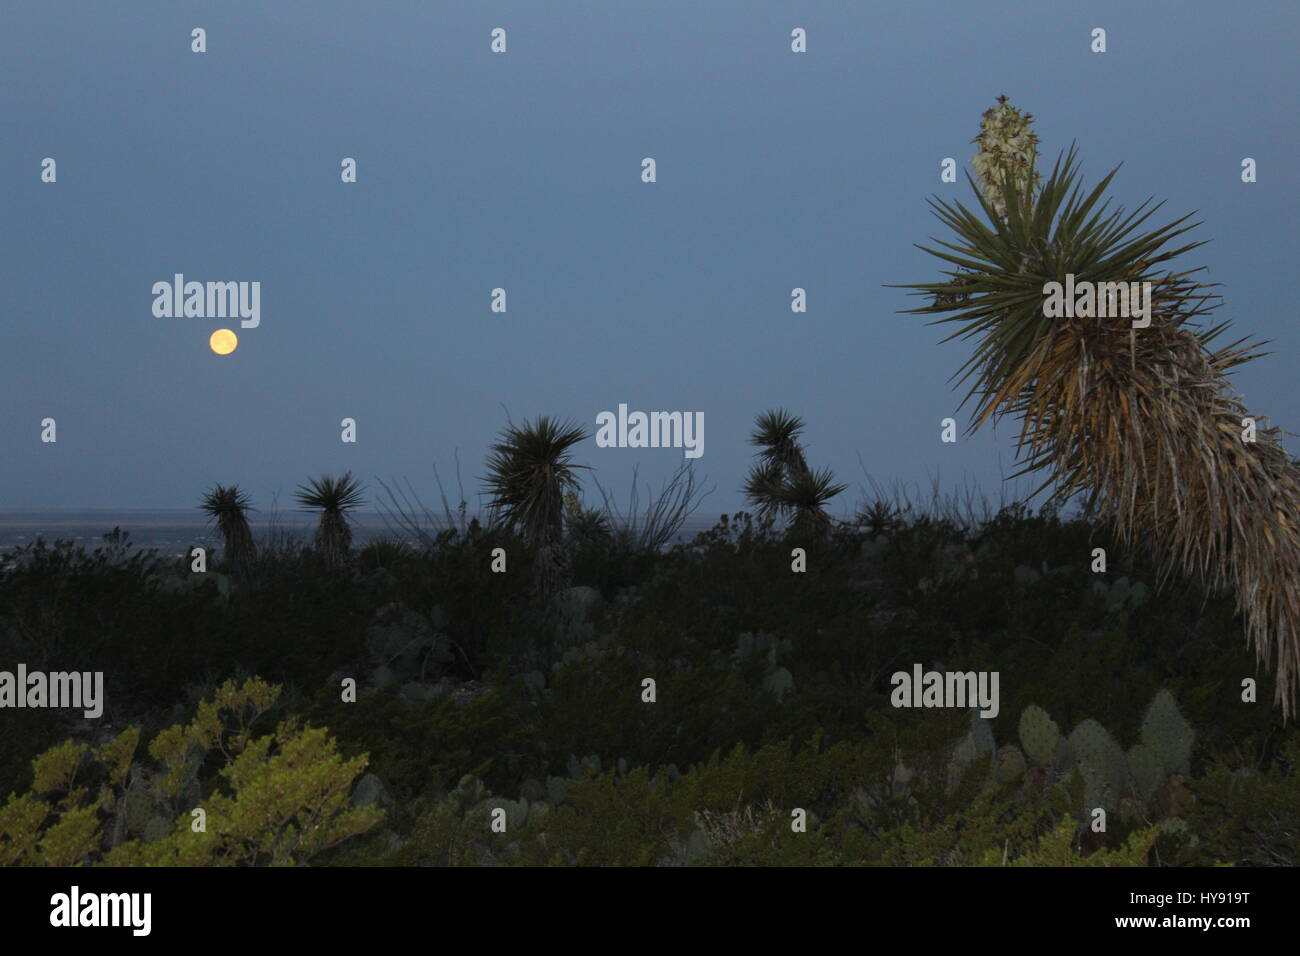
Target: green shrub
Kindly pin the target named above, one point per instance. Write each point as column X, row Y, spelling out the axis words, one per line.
column 276, row 799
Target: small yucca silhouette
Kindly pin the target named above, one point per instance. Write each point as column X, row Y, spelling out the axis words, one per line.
column 333, row 498
column 780, row 483
column 529, row 472
column 1143, row 422
column 228, row 507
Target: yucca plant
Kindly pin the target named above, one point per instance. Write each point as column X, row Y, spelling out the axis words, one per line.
column 881, row 517
column 333, row 498
column 763, row 489
column 780, row 483
column 582, row 523
column 776, row 433
column 228, row 507
column 805, row 496
column 1141, row 423
column 384, row 552
column 529, row 471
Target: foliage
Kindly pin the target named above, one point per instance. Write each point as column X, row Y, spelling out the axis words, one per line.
column 228, row 506
column 645, row 532
column 780, row 484
column 276, row 799
column 528, row 473
column 1248, row 814
column 753, row 664
column 333, row 498
column 1141, row 420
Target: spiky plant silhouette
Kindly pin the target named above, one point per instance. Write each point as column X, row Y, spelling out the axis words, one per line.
column 333, row 498
column 586, row 525
column 529, row 471
column 805, row 497
column 780, row 483
column 1141, row 422
column 776, row 433
column 763, row 489
column 228, row 507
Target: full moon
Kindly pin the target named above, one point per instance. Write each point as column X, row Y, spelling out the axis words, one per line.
column 223, row 341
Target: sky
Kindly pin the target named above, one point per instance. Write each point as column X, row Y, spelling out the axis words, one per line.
column 522, row 170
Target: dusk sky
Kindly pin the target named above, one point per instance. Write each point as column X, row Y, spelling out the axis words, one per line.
column 522, row 170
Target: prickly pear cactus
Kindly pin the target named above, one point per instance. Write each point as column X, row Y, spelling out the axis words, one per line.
column 1102, row 763
column 903, row 775
column 468, row 792
column 1145, row 771
column 753, row 645
column 1010, row 765
column 977, row 742
column 778, row 682
column 1118, row 595
column 1065, row 759
column 981, row 731
column 578, row 768
column 1168, row 734
column 533, row 789
column 1039, row 736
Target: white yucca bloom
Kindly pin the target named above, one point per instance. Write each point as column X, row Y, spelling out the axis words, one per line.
column 1006, row 142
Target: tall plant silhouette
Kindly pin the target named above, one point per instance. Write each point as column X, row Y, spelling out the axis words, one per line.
column 529, row 471
column 228, row 507
column 1140, row 422
column 776, row 433
column 780, row 483
column 333, row 498
column 805, row 497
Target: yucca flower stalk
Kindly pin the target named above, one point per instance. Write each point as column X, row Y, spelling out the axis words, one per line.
column 529, row 472
column 333, row 498
column 1143, row 422
column 228, row 507
column 1008, row 145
